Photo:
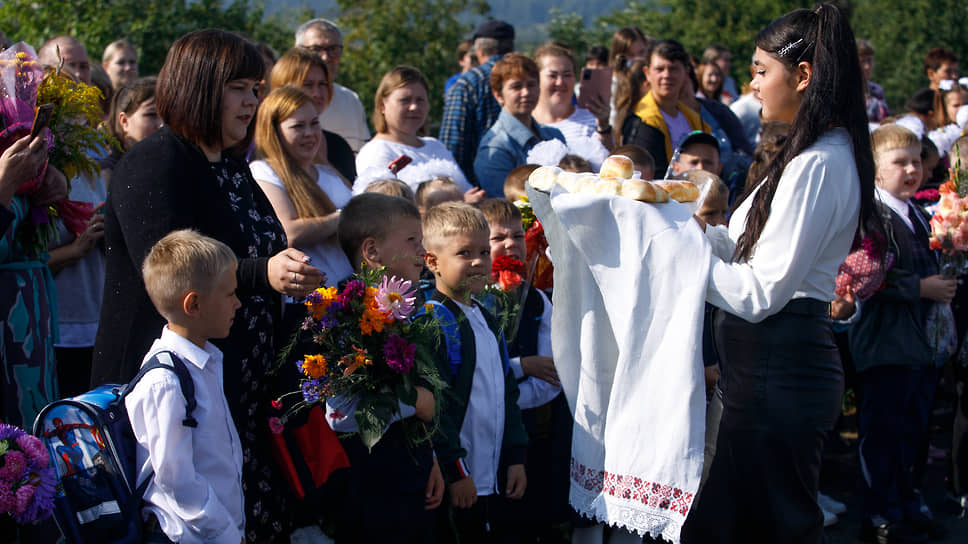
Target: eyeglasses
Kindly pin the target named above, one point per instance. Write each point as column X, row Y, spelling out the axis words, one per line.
column 334, row 50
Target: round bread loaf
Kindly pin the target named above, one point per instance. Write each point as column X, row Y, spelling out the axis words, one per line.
column 643, row 191
column 544, row 178
column 680, row 191
column 617, row 166
column 608, row 186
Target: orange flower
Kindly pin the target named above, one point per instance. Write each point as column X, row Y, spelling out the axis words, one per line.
column 353, row 362
column 319, row 300
column 314, row 366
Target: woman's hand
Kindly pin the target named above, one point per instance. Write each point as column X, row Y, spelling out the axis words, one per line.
column 843, row 307
column 291, row 274
column 20, row 163
column 938, row 288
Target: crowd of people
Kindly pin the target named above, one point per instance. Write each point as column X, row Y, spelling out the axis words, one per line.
column 244, row 180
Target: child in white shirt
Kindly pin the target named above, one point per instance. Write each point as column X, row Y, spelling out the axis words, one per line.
column 195, row 492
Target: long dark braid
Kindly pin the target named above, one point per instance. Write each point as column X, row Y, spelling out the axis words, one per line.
column 834, row 98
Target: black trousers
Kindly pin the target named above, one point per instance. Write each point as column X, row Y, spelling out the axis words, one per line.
column 782, row 384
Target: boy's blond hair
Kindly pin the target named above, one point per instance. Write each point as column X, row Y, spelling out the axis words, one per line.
column 514, row 183
column 888, row 137
column 425, row 192
column 450, row 219
column 391, row 187
column 700, row 177
column 183, row 261
column 499, row 211
column 959, row 153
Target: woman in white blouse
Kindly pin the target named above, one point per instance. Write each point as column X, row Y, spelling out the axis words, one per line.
column 772, row 278
column 305, row 196
column 400, row 110
column 556, row 108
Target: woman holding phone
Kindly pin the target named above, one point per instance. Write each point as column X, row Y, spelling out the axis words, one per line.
column 556, row 105
column 772, row 283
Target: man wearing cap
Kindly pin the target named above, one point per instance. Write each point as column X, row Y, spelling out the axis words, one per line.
column 660, row 118
column 698, row 151
column 469, row 106
column 344, row 115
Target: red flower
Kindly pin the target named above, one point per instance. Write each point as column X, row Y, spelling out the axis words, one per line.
column 507, row 272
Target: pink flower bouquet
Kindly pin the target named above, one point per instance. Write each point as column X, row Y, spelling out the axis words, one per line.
column 27, row 481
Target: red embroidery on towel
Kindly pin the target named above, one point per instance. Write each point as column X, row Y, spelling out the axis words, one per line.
column 652, row 494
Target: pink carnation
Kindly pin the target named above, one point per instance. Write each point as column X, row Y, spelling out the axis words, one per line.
column 33, row 447
column 14, row 464
column 24, row 494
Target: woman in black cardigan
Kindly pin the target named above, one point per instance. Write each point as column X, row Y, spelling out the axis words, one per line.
column 189, row 175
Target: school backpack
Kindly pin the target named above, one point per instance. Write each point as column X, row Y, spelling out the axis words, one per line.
column 93, row 449
column 450, row 329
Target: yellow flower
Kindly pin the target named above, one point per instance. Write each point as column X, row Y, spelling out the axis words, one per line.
column 428, row 307
column 314, row 366
column 319, row 301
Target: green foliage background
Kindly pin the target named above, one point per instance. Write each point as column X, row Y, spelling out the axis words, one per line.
column 424, row 33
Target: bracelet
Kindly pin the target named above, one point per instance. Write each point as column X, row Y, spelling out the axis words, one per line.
column 605, row 130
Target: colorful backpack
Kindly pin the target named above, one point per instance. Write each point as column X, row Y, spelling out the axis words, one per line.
column 93, row 449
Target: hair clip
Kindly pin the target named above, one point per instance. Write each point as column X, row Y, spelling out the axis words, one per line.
column 946, row 85
column 788, row 47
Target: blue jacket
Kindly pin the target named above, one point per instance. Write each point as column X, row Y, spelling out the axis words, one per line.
column 504, row 147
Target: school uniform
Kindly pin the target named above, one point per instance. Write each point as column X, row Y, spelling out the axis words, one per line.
column 782, row 379
column 195, row 495
column 548, row 422
column 480, row 432
column 895, row 366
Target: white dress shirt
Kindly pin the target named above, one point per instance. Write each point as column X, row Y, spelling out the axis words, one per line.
column 808, row 235
column 535, row 392
column 482, row 432
column 196, row 490
column 345, row 116
column 901, row 207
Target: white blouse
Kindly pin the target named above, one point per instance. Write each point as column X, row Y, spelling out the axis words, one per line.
column 327, row 256
column 808, row 235
column 430, row 160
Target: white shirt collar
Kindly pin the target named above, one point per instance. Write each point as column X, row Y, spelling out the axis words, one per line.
column 188, row 350
column 900, row 207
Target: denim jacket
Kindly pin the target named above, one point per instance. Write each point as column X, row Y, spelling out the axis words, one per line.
column 504, row 147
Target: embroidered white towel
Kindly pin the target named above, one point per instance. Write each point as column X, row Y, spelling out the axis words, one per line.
column 630, row 283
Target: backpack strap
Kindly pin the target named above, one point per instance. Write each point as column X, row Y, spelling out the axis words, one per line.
column 170, row 361
column 167, row 359
column 451, row 332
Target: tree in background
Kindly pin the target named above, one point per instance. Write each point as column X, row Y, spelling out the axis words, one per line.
column 379, row 35
column 151, row 26
column 902, row 32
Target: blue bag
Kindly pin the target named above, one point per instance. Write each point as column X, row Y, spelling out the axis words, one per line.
column 93, row 449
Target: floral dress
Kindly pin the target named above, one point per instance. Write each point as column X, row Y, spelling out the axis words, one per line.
column 252, row 231
column 28, row 328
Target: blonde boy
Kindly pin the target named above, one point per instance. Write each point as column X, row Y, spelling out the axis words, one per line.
column 195, row 493
column 481, row 437
column 895, row 359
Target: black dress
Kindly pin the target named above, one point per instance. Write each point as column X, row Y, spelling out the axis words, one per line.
column 165, row 183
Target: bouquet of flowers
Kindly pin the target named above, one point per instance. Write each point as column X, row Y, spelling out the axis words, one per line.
column 368, row 348
column 864, row 271
column 27, row 481
column 949, row 224
column 73, row 134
